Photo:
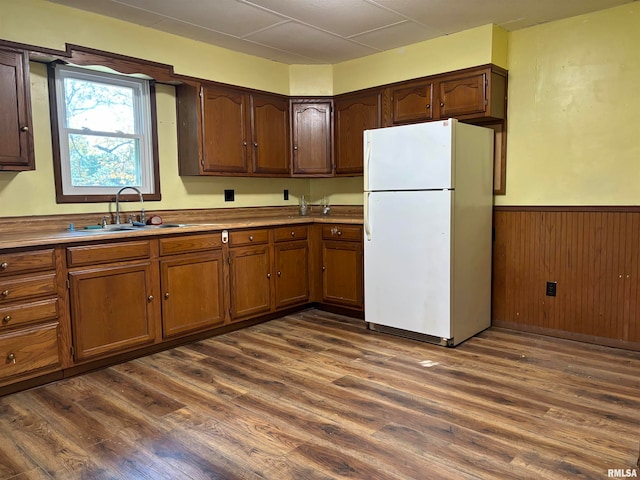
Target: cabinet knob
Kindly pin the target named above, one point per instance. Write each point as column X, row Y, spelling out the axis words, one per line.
column 279, row 274
column 4, row 265
column 150, row 298
column 255, row 144
column 24, row 129
column 251, row 238
column 428, row 106
column 11, row 358
column 6, row 319
column 244, row 144
column 293, row 234
column 324, row 268
column 339, row 233
column 166, row 295
column 5, row 293
column 295, row 147
column 442, row 104
column 268, row 275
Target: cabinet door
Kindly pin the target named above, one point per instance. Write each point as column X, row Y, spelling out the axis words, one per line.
column 192, row 293
column 112, row 309
column 463, row 95
column 411, row 102
column 311, row 126
column 250, row 281
column 354, row 114
column 16, row 138
column 224, row 125
column 292, row 273
column 342, row 270
column 270, row 128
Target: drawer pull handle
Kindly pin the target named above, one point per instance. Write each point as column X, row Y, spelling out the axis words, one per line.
column 5, row 293
column 293, row 234
column 6, row 319
column 150, row 298
column 251, row 238
column 339, row 233
column 4, row 265
column 166, row 295
column 11, row 358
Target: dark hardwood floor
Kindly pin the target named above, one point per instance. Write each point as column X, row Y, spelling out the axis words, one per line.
column 317, row 396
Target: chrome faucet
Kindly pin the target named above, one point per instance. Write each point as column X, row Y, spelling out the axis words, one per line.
column 142, row 219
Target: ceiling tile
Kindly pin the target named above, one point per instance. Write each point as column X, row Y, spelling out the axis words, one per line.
column 230, row 42
column 329, row 15
column 226, row 16
column 398, row 35
column 115, row 10
column 309, row 42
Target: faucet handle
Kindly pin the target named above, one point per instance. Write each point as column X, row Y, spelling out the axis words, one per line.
column 104, row 221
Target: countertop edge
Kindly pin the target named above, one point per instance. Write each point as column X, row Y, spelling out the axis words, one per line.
column 79, row 236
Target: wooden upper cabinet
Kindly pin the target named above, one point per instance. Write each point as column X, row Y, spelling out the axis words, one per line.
column 463, row 95
column 411, row 102
column 311, row 137
column 354, row 113
column 270, row 135
column 16, row 130
column 224, row 130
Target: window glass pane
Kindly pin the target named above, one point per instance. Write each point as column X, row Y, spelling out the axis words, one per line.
column 99, row 107
column 104, row 161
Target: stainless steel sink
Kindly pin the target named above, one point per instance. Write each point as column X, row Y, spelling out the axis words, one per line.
column 127, row 227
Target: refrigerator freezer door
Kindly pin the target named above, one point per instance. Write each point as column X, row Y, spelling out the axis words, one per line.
column 407, row 275
column 410, row 157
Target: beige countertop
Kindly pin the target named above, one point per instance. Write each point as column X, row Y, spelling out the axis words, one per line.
column 37, row 238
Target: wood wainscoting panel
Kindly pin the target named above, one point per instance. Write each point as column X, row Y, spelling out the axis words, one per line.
column 594, row 258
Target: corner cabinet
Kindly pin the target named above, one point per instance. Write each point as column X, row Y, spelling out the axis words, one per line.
column 16, row 130
column 311, row 137
column 342, row 266
column 354, row 113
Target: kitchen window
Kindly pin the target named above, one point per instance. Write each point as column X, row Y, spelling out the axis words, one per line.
column 104, row 134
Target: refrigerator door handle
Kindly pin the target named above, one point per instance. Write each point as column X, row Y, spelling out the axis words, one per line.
column 367, row 224
column 367, row 157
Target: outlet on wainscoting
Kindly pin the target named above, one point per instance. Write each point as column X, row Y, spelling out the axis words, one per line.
column 229, row 195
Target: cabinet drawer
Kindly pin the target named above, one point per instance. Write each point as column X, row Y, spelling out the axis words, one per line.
column 248, row 237
column 190, row 243
column 297, row 232
column 12, row 263
column 342, row 232
column 16, row 288
column 28, row 350
column 113, row 252
column 19, row 314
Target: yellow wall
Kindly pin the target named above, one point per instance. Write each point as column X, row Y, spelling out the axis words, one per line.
column 442, row 54
column 574, row 122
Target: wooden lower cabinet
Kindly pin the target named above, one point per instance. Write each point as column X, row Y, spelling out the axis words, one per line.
column 342, row 266
column 192, row 293
column 291, row 262
column 112, row 309
column 249, row 281
column 30, row 314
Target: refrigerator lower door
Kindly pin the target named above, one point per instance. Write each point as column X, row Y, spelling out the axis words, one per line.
column 407, row 275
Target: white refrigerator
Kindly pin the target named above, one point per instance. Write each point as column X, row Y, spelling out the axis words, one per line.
column 428, row 196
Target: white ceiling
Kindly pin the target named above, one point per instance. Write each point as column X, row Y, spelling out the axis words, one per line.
column 330, row 31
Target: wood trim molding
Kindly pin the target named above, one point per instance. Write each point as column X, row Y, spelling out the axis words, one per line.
column 566, row 208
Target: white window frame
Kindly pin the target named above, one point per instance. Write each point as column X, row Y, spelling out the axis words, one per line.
column 143, row 129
